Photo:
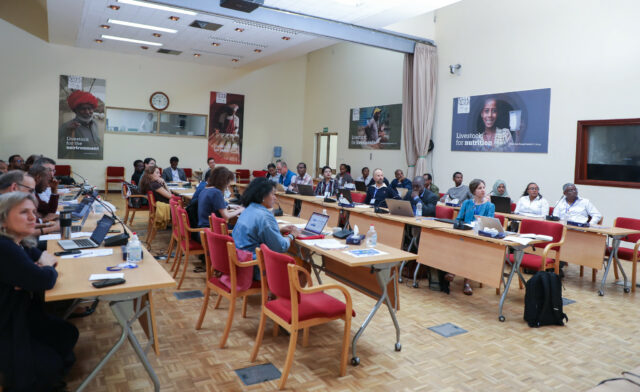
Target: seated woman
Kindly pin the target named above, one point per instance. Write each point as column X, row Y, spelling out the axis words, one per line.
column 499, row 189
column 469, row 209
column 152, row 181
column 328, row 185
column 532, row 203
column 36, row 349
column 343, row 178
column 211, row 199
column 257, row 225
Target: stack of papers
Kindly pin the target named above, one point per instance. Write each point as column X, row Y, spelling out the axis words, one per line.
column 540, row 237
column 519, row 240
column 327, row 244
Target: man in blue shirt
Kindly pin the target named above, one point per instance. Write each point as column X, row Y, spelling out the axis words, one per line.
column 400, row 181
column 420, row 193
column 285, row 175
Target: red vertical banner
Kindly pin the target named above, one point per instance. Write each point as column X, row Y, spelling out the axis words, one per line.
column 226, row 124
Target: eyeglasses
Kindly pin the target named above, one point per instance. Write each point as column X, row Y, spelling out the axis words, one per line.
column 534, row 189
column 31, row 190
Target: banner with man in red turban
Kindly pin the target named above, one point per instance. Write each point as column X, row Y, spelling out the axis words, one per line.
column 82, row 119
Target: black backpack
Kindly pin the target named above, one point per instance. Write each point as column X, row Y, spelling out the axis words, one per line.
column 543, row 300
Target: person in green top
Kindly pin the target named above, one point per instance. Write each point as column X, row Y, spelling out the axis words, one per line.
column 428, row 183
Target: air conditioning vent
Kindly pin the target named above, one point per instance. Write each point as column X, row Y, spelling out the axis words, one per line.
column 169, row 51
column 201, row 24
column 241, row 5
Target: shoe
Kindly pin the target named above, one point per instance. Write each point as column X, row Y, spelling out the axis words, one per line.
column 88, row 311
column 200, row 268
column 467, row 289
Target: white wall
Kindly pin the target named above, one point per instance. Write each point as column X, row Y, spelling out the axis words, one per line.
column 29, row 79
column 584, row 50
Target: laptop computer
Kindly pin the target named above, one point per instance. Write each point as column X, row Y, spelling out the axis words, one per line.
column 86, row 210
column 346, row 193
column 96, row 239
column 305, row 190
column 400, row 207
column 360, row 186
column 485, row 222
column 316, row 224
column 503, row 204
column 82, row 208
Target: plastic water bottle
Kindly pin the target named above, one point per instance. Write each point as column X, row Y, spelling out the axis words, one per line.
column 134, row 250
column 372, row 237
column 419, row 209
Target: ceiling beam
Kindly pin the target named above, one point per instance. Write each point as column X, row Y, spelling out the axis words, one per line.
column 308, row 24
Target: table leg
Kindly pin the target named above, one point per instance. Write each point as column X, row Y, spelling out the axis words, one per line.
column 383, row 276
column 309, row 259
column 518, row 253
column 613, row 257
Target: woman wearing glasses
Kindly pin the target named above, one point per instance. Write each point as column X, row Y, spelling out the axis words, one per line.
column 532, row 203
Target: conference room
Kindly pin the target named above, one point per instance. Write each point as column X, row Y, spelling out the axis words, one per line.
column 496, row 90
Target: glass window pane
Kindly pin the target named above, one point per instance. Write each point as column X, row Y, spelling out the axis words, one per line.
column 183, row 124
column 333, row 151
column 125, row 120
column 323, row 151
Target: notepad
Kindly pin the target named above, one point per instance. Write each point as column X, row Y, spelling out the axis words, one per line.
column 114, row 275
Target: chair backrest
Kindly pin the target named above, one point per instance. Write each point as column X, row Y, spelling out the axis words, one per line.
column 63, row 170
column 358, row 197
column 115, row 171
column 552, row 229
column 551, row 210
column 259, row 173
column 175, row 224
column 183, row 224
column 125, row 191
column 159, row 168
column 243, row 176
column 513, row 207
column 444, row 212
column 500, row 217
column 188, row 172
column 441, row 194
column 218, row 254
column 277, row 275
column 628, row 223
column 216, row 224
column 152, row 201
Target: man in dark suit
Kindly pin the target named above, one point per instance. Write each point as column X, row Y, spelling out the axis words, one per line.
column 379, row 191
column 173, row 173
column 419, row 193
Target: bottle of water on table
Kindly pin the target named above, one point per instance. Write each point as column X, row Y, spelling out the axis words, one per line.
column 419, row 209
column 134, row 250
column 372, row 237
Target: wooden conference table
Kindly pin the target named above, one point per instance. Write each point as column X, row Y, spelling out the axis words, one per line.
column 358, row 273
column 128, row 302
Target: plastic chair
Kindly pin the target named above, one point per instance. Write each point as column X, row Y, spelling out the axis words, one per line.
column 187, row 246
column 243, row 176
column 259, row 173
column 63, row 170
column 444, row 212
column 126, row 194
column 114, row 174
column 188, row 172
column 358, row 197
column 296, row 307
column 625, row 253
column 151, row 228
column 220, row 255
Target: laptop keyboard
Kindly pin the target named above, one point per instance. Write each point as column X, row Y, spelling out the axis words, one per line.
column 84, row 243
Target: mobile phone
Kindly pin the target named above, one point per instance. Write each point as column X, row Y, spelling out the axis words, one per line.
column 113, row 231
column 107, row 282
column 67, row 252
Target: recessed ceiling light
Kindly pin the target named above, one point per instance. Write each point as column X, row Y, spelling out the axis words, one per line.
column 144, row 47
column 196, row 55
column 239, row 30
column 135, row 41
column 142, row 26
column 257, row 50
column 286, row 38
column 157, row 35
column 215, row 44
column 114, row 7
column 105, row 26
column 235, row 60
column 99, row 41
column 174, row 18
column 157, row 7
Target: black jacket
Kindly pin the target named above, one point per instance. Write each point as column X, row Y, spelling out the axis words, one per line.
column 380, row 195
column 428, row 199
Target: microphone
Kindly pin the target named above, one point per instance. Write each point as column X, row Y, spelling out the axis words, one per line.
column 278, row 211
column 552, row 217
column 118, row 239
column 85, row 188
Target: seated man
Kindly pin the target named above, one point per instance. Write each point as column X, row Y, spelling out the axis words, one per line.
column 420, row 193
column 302, row 177
column 212, row 165
column 458, row 193
column 138, row 169
column 428, row 183
column 16, row 162
column 285, row 175
column 379, row 191
column 173, row 173
column 574, row 208
column 44, row 179
column 272, row 173
column 400, row 181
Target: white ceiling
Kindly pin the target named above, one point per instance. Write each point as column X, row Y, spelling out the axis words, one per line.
column 77, row 23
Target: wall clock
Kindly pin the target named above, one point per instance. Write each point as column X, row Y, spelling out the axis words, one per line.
column 159, row 101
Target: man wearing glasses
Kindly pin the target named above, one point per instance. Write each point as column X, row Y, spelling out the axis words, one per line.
column 16, row 162
column 574, row 208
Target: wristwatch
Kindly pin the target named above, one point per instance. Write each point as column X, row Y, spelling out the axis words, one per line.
column 291, row 236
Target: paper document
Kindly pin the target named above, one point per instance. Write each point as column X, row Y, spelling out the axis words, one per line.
column 540, row 237
column 177, row 188
column 89, row 253
column 327, row 244
column 79, row 234
column 187, row 194
column 364, row 252
column 114, row 275
column 519, row 240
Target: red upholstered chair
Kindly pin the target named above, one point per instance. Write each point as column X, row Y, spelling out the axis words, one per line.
column 218, row 225
column 551, row 210
column 243, row 176
column 441, row 194
column 114, row 174
column 220, row 254
column 513, row 207
column 151, row 228
column 296, row 307
column 175, row 228
column 541, row 262
column 500, row 217
column 188, row 173
column 186, row 246
column 626, row 253
column 259, row 173
column 358, row 197
column 444, row 212
column 63, row 170
column 129, row 205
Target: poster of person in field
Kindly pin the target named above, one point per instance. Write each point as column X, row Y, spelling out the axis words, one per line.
column 81, row 120
column 226, row 122
column 376, row 127
column 503, row 122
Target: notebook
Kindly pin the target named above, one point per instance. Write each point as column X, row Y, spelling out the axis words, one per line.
column 96, row 239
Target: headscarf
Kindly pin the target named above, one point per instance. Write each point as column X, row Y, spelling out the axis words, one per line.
column 79, row 97
column 495, row 192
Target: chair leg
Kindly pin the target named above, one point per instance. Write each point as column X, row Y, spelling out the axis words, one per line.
column 520, row 280
column 581, row 271
column 594, row 273
column 227, row 328
column 615, row 270
column 126, row 211
column 276, row 328
column 244, row 306
column 633, row 276
column 218, row 302
column 205, row 303
column 133, row 214
column 287, row 363
column 184, row 269
column 256, row 345
column 171, row 244
column 305, row 337
column 345, row 346
column 176, row 262
column 498, row 291
column 152, row 234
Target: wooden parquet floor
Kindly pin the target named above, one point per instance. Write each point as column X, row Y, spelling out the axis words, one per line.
column 599, row 341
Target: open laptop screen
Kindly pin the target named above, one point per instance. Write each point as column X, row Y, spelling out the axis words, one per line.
column 316, row 223
column 102, row 229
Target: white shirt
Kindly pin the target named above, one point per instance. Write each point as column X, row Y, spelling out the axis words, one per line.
column 176, row 175
column 579, row 211
column 304, row 180
column 45, row 195
column 366, row 180
column 538, row 207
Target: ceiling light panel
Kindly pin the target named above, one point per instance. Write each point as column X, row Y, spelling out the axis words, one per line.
column 158, row 7
column 142, row 26
column 131, row 40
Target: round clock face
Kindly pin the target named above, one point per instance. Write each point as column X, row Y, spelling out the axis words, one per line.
column 159, row 101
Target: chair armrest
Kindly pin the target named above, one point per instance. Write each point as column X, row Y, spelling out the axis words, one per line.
column 138, row 197
column 196, row 230
column 546, row 251
column 245, row 264
column 635, row 251
column 322, row 287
